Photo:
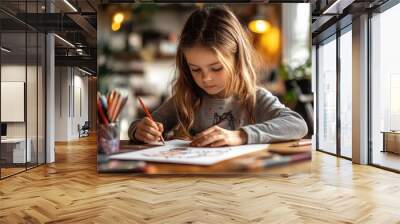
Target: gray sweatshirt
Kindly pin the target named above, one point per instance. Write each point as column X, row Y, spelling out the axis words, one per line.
column 273, row 121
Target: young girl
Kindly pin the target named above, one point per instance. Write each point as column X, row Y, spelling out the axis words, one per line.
column 215, row 101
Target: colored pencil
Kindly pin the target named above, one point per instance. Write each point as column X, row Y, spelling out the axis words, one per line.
column 120, row 104
column 148, row 114
column 102, row 116
column 103, row 102
column 109, row 107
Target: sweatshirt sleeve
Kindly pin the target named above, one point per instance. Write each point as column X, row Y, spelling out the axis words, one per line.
column 274, row 121
column 165, row 114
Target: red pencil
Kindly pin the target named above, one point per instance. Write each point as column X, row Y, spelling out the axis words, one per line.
column 146, row 111
column 100, row 111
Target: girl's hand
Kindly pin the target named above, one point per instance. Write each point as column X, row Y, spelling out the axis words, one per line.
column 217, row 136
column 148, row 131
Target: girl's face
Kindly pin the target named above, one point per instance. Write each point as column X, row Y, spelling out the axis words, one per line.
column 207, row 71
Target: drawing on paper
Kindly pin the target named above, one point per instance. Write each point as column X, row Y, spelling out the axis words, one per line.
column 185, row 153
column 179, row 151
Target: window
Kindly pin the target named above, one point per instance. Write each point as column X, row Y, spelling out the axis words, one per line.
column 346, row 92
column 385, row 85
column 326, row 101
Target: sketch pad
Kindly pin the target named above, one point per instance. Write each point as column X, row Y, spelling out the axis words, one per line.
column 178, row 151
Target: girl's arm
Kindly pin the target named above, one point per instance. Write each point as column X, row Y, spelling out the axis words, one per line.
column 165, row 114
column 274, row 121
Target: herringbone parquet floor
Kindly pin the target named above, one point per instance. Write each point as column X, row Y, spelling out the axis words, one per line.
column 70, row 191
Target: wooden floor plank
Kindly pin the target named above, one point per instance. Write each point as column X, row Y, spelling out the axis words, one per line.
column 70, row 191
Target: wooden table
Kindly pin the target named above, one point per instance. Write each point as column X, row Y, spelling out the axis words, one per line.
column 391, row 141
column 238, row 165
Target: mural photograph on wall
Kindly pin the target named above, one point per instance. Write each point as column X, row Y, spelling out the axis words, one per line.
column 204, row 88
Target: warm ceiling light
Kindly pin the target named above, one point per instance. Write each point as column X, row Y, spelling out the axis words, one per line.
column 115, row 26
column 271, row 41
column 118, row 17
column 259, row 26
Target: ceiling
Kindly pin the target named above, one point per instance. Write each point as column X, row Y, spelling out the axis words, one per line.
column 80, row 27
column 22, row 22
column 328, row 16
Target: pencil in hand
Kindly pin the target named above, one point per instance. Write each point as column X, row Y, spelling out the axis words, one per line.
column 148, row 114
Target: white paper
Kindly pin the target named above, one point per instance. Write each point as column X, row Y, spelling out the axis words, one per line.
column 178, row 151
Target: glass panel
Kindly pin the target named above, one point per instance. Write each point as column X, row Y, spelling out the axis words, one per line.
column 31, row 86
column 31, row 97
column 14, row 153
column 346, row 94
column 41, row 99
column 385, row 86
column 327, row 96
column 22, row 77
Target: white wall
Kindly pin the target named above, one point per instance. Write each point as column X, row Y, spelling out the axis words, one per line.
column 70, row 83
column 12, row 73
column 61, row 103
column 33, row 127
column 80, row 89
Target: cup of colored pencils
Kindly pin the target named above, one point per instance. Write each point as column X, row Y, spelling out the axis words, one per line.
column 109, row 108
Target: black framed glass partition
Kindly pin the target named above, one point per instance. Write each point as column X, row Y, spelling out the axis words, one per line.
column 385, row 87
column 334, row 90
column 22, row 88
column 14, row 150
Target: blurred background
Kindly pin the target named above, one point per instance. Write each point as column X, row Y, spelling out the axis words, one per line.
column 137, row 47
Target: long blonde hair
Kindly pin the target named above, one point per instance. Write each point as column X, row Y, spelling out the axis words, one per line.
column 218, row 29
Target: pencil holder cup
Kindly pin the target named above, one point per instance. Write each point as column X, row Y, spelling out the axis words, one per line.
column 108, row 137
